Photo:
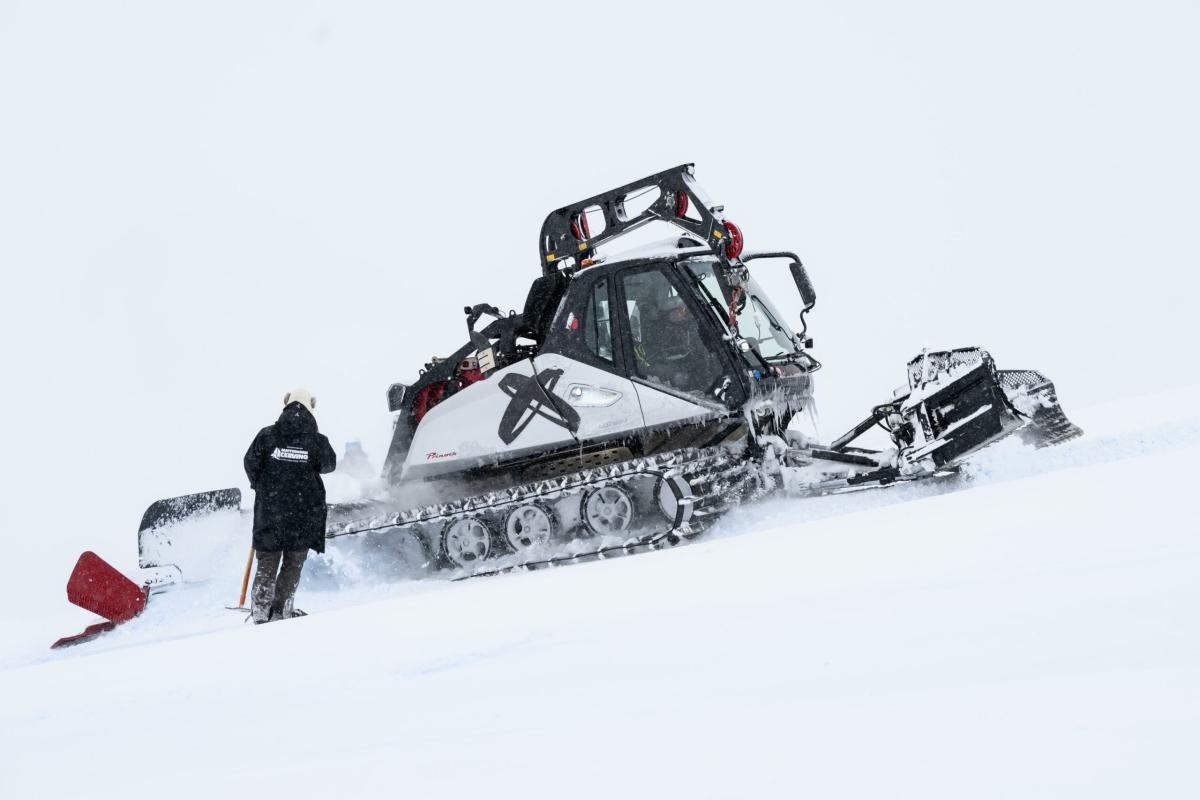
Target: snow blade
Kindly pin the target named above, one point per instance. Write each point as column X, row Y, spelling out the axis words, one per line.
column 1032, row 393
column 96, row 586
column 156, row 535
column 174, row 509
column 89, row 633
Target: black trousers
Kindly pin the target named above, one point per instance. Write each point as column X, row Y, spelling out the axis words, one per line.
column 275, row 583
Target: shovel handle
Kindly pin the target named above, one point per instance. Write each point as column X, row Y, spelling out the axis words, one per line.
column 246, row 576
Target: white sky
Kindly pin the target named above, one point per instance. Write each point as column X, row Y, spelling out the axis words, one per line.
column 203, row 205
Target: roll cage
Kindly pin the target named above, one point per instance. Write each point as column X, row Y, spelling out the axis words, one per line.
column 567, row 241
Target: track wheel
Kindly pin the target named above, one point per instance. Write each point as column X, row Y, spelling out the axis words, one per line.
column 671, row 491
column 529, row 526
column 606, row 510
column 466, row 542
column 410, row 552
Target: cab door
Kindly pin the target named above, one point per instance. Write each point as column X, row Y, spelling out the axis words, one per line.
column 583, row 367
column 673, row 357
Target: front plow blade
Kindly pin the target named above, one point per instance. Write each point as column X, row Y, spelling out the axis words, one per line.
column 97, row 586
column 184, row 538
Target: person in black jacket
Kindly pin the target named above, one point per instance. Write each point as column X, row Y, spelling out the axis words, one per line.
column 284, row 464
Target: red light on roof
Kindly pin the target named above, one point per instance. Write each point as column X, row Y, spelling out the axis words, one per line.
column 580, row 227
column 681, row 204
column 734, row 248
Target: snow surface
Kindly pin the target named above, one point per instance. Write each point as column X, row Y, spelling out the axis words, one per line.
column 203, row 206
column 1029, row 631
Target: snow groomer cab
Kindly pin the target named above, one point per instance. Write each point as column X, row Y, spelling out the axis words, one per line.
column 671, row 346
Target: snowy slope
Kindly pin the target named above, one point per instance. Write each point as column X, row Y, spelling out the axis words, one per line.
column 1031, row 635
column 181, row 182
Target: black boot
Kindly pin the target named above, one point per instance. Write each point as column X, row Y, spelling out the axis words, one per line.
column 263, row 596
column 282, row 606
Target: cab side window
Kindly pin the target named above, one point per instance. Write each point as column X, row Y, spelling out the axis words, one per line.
column 582, row 328
column 597, row 326
column 667, row 346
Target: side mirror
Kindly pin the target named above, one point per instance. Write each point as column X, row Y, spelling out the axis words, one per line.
column 395, row 396
column 807, row 293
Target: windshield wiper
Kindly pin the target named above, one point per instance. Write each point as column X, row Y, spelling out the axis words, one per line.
column 770, row 317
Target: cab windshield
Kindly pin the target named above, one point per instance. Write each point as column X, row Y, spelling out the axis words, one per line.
column 759, row 322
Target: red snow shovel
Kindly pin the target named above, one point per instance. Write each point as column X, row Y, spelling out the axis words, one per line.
column 96, row 586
